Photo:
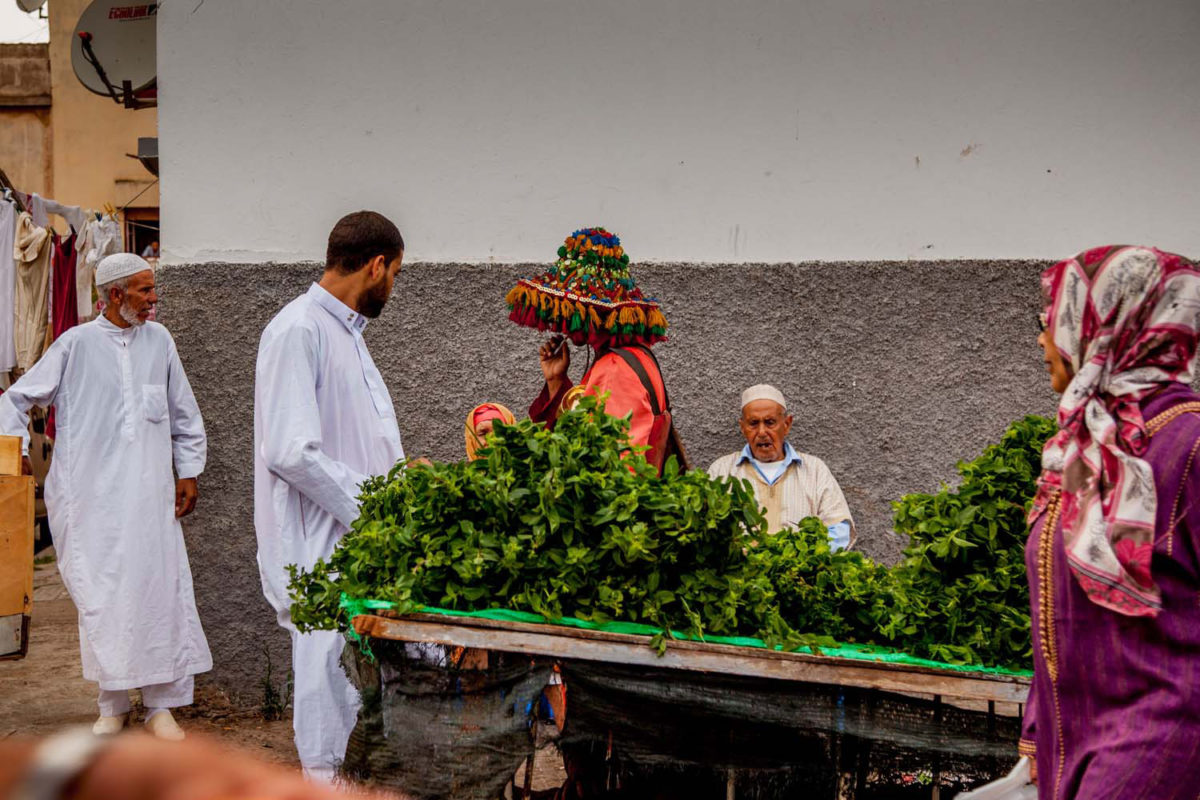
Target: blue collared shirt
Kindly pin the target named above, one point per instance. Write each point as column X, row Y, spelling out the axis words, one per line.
column 839, row 532
column 790, row 456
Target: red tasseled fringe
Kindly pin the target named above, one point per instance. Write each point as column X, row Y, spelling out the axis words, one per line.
column 527, row 316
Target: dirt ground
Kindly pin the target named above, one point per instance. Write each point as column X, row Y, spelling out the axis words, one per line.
column 46, row 691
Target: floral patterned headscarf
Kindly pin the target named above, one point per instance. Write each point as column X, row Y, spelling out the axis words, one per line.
column 1126, row 320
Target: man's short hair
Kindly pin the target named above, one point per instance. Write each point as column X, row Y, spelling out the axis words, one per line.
column 359, row 237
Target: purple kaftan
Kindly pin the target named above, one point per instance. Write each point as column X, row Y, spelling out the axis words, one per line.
column 1114, row 710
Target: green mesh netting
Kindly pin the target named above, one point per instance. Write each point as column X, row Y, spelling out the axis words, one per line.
column 860, row 652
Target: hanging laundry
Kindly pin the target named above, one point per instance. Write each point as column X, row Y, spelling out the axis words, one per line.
column 74, row 215
column 41, row 208
column 83, row 281
column 64, row 311
column 32, row 254
column 8, row 281
column 37, row 208
column 62, row 285
column 99, row 238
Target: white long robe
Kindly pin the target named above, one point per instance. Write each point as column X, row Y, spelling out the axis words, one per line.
column 125, row 414
column 323, row 423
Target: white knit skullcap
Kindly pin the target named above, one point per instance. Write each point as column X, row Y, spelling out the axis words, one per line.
column 120, row 265
column 763, row 391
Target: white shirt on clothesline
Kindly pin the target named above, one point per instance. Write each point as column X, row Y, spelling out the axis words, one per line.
column 8, row 284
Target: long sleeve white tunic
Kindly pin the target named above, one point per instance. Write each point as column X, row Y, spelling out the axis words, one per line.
column 125, row 415
column 323, row 423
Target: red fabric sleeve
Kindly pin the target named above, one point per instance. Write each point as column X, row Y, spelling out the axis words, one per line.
column 545, row 408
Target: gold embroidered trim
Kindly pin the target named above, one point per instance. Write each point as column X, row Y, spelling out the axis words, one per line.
column 1162, row 420
column 1046, row 631
column 1062, row 745
column 1026, row 748
column 1045, row 576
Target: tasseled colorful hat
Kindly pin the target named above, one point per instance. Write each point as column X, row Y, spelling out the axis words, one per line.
column 589, row 295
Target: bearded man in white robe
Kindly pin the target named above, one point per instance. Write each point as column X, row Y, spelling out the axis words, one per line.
column 323, row 423
column 130, row 445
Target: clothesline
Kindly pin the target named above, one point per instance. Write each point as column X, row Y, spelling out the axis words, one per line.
column 47, row 278
column 141, row 225
column 40, row 208
column 129, row 202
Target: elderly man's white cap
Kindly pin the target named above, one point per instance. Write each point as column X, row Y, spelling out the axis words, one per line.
column 120, row 265
column 763, row 391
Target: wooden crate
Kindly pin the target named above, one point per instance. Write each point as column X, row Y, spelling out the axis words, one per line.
column 16, row 562
column 10, row 455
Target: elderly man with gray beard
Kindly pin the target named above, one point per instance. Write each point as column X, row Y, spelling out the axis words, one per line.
column 129, row 448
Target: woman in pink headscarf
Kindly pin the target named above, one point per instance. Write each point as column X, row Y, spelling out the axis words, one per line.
column 480, row 422
column 1114, row 547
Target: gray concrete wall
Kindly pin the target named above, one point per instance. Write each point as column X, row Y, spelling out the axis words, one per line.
column 894, row 371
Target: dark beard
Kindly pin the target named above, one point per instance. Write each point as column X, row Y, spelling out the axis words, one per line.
column 372, row 303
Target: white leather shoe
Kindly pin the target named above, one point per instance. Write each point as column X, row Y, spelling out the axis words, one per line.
column 164, row 726
column 107, row 726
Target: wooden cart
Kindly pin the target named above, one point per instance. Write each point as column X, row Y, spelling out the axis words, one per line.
column 994, row 695
column 968, row 689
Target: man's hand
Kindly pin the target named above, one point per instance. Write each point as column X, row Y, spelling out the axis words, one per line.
column 185, row 497
column 26, row 466
column 555, row 358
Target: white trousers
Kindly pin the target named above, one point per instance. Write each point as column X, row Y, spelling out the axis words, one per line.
column 114, row 702
column 324, row 704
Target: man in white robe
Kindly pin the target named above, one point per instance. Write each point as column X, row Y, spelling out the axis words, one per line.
column 129, row 448
column 323, row 423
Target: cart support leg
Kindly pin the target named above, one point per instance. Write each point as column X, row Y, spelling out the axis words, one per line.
column 847, row 766
column 937, row 758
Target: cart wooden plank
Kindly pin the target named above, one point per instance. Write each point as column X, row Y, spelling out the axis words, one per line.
column 585, row 645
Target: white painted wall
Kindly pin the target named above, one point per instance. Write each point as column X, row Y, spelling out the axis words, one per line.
column 699, row 130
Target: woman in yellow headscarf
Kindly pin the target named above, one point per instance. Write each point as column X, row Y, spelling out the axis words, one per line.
column 479, row 425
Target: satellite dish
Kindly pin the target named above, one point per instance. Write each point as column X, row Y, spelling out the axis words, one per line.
column 30, row 6
column 113, row 50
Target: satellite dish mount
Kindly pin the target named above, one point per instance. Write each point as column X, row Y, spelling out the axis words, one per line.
column 113, row 51
column 125, row 95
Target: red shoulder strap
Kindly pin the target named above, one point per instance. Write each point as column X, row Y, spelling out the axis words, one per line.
column 643, row 375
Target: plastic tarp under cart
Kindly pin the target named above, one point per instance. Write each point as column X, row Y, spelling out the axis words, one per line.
column 448, row 703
